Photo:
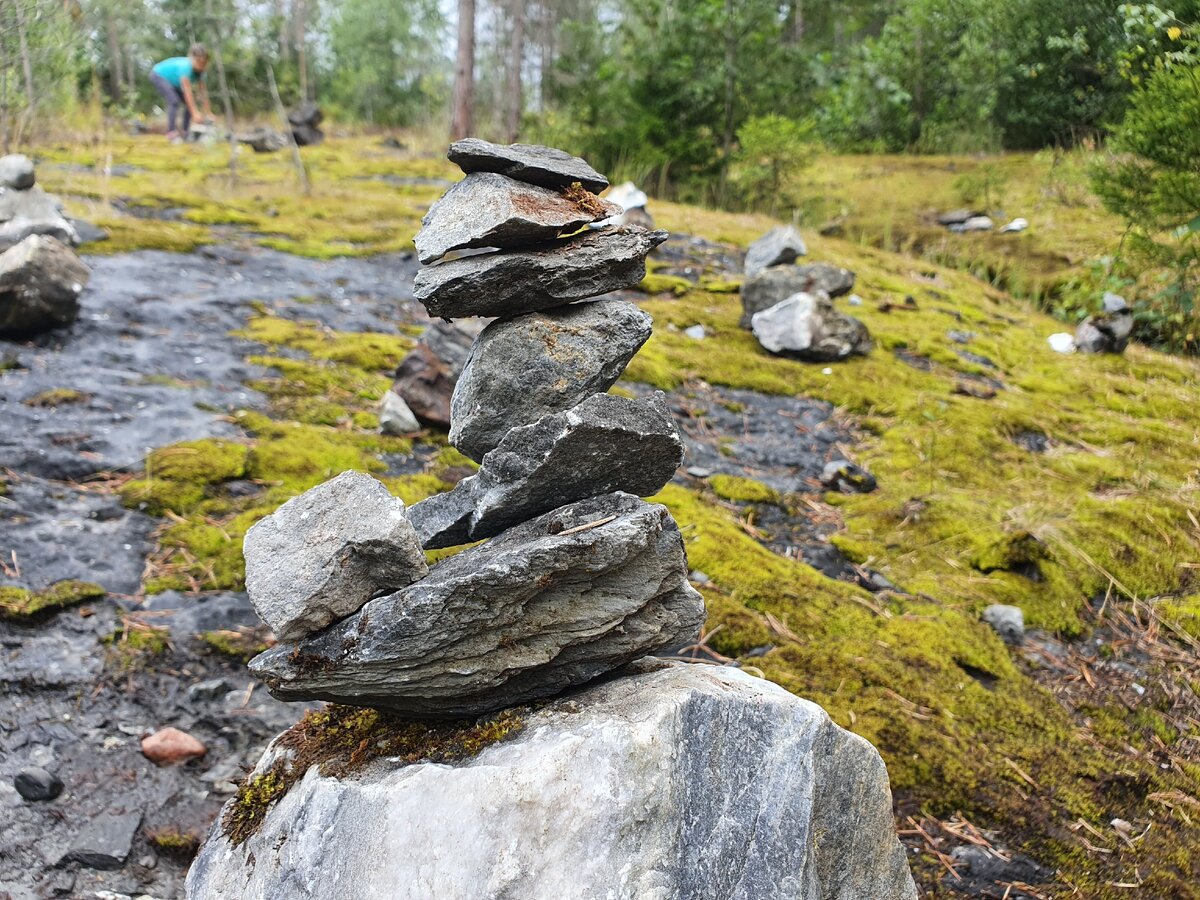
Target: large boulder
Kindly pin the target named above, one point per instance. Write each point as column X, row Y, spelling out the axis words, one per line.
column 677, row 781
column 17, row 172
column 426, row 377
column 521, row 281
column 322, row 555
column 604, row 444
column 523, row 368
column 531, row 163
column 550, row 604
column 1108, row 332
column 806, row 326
column 304, row 121
column 779, row 246
column 32, row 211
column 490, row 210
column 40, row 283
column 775, row 284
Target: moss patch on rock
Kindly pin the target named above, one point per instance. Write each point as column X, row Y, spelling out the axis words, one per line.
column 742, row 490
column 22, row 605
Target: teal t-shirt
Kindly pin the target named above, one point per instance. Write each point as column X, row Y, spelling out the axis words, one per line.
column 175, row 69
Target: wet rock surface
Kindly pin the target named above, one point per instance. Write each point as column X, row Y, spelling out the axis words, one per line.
column 490, row 210
column 521, row 281
column 523, row 368
column 545, row 166
column 602, row 445
column 549, row 604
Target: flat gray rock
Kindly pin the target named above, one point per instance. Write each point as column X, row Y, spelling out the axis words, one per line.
column 548, row 605
column 490, row 210
column 540, row 363
column 521, row 281
column 779, row 246
column 104, row 842
column 776, row 284
column 530, row 163
column 40, row 283
column 602, row 445
column 16, row 172
column 322, row 555
column 807, row 327
column 673, row 781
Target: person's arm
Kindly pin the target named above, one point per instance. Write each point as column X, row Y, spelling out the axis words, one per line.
column 185, row 85
column 208, row 113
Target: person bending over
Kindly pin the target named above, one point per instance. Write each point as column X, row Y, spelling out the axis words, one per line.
column 179, row 79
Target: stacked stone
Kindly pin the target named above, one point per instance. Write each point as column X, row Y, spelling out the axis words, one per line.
column 578, row 576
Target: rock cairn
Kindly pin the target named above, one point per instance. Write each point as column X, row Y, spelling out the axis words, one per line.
column 579, row 576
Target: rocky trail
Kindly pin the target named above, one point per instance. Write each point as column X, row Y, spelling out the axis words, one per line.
column 152, row 361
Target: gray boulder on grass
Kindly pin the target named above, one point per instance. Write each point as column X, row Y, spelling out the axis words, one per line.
column 40, row 283
column 776, row 284
column 531, row 163
column 779, row 246
column 523, row 368
column 1107, row 332
column 807, row 327
column 490, row 210
column 602, row 445
column 521, row 281
column 322, row 555
column 17, row 172
column 674, row 781
column 547, row 605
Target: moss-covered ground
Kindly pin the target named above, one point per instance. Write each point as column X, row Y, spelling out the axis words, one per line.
column 1071, row 493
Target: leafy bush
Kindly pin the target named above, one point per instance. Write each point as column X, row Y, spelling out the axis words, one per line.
column 773, row 151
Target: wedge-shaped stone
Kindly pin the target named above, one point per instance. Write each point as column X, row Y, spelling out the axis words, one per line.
column 548, row 605
column 777, row 247
column 324, row 554
column 521, row 281
column 490, row 210
column 531, row 163
column 604, row 444
column 541, row 363
column 775, row 284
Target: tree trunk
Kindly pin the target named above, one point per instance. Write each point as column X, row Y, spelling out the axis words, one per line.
column 26, row 62
column 516, row 57
column 285, row 47
column 218, row 62
column 730, row 86
column 793, row 26
column 115, row 73
column 462, row 122
column 301, row 23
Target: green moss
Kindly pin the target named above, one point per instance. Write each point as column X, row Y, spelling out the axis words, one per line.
column 158, row 495
column 136, row 644
column 341, row 739
column 172, row 842
column 19, row 604
column 744, row 490
column 664, row 284
column 244, row 644
column 58, row 397
column 206, row 461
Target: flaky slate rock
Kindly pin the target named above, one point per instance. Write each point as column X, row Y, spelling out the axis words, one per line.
column 324, row 554
column 523, row 368
column 807, row 327
column 426, row 377
column 779, row 246
column 521, row 281
column 676, row 781
column 40, row 283
column 776, row 284
column 604, row 444
column 531, row 163
column 549, row 604
column 490, row 210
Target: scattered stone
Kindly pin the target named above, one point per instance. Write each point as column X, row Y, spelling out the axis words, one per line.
column 1108, row 332
column 1016, row 226
column 35, row 783
column 979, row 391
column 1007, row 621
column 960, row 337
column 541, row 363
column 304, row 120
column 322, row 555
column 632, row 201
column 208, row 690
column 88, row 233
column 547, row 605
column 778, row 247
column 652, row 784
column 853, row 299
column 511, row 283
column 171, row 747
column 954, row 217
column 975, row 223
column 531, row 163
column 425, row 379
column 40, row 283
column 1114, row 303
column 774, row 285
column 1061, row 342
column 604, row 444
column 490, row 210
column 845, row 477
column 807, row 327
column 696, row 332
column 16, row 172
column 263, row 140
column 33, row 211
column 395, row 417
column 105, row 841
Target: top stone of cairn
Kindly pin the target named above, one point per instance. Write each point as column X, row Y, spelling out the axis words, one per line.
column 531, row 163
